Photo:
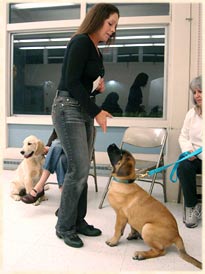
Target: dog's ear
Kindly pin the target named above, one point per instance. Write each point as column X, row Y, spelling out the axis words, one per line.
column 40, row 148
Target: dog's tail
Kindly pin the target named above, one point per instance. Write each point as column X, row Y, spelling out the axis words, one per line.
column 183, row 254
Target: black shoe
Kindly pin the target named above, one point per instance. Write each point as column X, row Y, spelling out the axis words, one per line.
column 72, row 240
column 30, row 199
column 89, row 230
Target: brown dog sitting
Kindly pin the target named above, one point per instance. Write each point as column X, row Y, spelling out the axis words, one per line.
column 147, row 217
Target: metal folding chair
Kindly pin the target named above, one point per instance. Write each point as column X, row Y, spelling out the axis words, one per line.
column 141, row 142
column 198, row 186
column 94, row 172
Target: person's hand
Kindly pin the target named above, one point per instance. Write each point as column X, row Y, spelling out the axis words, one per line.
column 101, row 119
column 46, row 148
column 101, row 86
column 191, row 158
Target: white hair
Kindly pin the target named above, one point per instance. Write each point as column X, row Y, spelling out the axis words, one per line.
column 196, row 83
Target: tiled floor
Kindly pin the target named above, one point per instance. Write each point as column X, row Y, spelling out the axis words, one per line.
column 30, row 243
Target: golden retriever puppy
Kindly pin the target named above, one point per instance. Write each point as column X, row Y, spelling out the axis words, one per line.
column 30, row 169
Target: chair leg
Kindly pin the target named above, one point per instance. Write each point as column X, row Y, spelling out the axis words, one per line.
column 164, row 185
column 152, row 184
column 95, row 174
column 105, row 193
column 96, row 185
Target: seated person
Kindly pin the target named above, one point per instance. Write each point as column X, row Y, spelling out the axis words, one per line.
column 111, row 104
column 55, row 161
column 190, row 139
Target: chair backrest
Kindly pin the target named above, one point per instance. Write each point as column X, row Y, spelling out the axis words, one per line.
column 145, row 137
column 145, row 140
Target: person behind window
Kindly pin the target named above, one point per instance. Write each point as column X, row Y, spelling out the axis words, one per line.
column 190, row 139
column 55, row 162
column 73, row 113
column 111, row 104
column 135, row 94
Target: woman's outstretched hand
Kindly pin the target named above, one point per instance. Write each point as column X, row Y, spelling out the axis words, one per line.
column 101, row 119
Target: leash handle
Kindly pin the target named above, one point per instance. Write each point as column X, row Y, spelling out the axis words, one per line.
column 181, row 158
column 174, row 169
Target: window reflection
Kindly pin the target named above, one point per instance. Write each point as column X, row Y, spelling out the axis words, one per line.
column 38, row 59
column 141, row 9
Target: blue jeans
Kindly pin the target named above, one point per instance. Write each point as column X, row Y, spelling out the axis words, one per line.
column 56, row 161
column 186, row 172
column 75, row 130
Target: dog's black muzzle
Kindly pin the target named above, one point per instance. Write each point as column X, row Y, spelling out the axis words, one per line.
column 114, row 153
column 26, row 156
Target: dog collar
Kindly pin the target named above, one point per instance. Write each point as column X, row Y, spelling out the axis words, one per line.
column 124, row 181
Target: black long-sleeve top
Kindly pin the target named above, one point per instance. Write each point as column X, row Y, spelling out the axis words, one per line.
column 81, row 66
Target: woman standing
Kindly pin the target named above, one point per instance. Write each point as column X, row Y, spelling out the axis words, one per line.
column 190, row 139
column 73, row 114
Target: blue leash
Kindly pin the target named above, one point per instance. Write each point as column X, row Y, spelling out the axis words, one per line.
column 182, row 157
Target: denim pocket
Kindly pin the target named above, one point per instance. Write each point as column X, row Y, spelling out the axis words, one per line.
column 66, row 109
column 67, row 101
column 62, row 103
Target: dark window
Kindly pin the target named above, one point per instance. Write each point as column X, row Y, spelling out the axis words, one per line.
column 37, row 67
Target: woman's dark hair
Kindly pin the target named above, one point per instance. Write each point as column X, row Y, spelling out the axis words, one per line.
column 95, row 18
column 112, row 97
column 141, row 80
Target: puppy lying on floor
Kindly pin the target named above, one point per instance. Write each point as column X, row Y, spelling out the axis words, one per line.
column 147, row 217
column 30, row 169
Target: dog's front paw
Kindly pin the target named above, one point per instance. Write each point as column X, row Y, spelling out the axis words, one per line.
column 112, row 242
column 16, row 197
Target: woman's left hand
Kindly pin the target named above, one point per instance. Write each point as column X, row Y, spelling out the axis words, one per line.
column 191, row 158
